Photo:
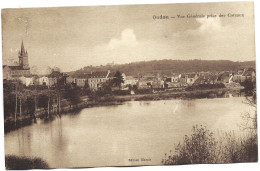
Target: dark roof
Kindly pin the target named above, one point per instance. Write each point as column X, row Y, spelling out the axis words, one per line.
column 55, row 74
column 27, row 76
column 174, row 75
column 248, row 73
column 240, row 71
column 251, row 69
column 148, row 78
column 205, row 74
column 17, row 68
column 191, row 75
column 223, row 76
column 82, row 76
column 188, row 75
column 182, row 75
column 111, row 75
column 206, row 78
column 34, row 75
column 101, row 74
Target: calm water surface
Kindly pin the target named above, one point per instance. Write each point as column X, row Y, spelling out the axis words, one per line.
column 111, row 135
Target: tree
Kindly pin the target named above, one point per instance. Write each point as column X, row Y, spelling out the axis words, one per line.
column 55, row 68
column 86, row 89
column 49, row 70
column 9, row 101
column 43, row 101
column 118, row 79
column 19, row 93
column 30, row 105
column 59, row 85
column 130, row 87
column 250, row 118
column 135, row 87
column 105, row 88
column 72, row 94
column 249, row 86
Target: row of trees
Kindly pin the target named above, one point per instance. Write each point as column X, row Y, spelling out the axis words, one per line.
column 169, row 66
column 19, row 101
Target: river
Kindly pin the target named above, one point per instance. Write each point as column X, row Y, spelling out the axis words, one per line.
column 111, row 135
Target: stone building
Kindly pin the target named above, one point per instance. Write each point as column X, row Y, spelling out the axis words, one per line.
column 96, row 79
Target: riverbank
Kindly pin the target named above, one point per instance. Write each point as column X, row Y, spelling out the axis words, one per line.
column 99, row 127
column 10, row 124
column 22, row 121
column 164, row 95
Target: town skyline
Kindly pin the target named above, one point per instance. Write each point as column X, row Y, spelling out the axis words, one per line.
column 47, row 69
column 88, row 38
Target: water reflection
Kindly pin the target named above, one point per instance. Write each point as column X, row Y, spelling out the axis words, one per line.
column 109, row 135
column 145, row 103
column 74, row 114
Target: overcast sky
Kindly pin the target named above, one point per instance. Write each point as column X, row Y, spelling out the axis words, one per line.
column 71, row 38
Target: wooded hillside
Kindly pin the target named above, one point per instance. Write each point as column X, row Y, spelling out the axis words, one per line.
column 169, row 66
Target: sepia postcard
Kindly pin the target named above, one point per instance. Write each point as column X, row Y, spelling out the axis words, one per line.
column 129, row 85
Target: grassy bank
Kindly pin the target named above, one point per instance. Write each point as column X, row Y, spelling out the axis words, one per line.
column 194, row 94
column 13, row 162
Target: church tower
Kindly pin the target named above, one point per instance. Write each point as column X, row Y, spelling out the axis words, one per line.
column 23, row 58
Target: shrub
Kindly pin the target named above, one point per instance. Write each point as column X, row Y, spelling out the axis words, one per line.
column 201, row 147
column 205, row 86
column 23, row 163
column 197, row 148
column 238, row 150
column 143, row 91
column 121, row 92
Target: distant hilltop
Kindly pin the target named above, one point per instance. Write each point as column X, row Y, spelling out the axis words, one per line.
column 169, row 66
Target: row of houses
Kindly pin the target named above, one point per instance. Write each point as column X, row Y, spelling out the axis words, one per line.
column 189, row 79
column 174, row 80
column 96, row 80
column 50, row 80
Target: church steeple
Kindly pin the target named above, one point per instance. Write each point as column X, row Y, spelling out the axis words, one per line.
column 23, row 57
column 22, row 49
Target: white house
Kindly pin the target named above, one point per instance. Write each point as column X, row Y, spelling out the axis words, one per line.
column 188, row 79
column 80, row 81
column 44, row 81
column 130, row 80
column 26, row 80
column 175, row 78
